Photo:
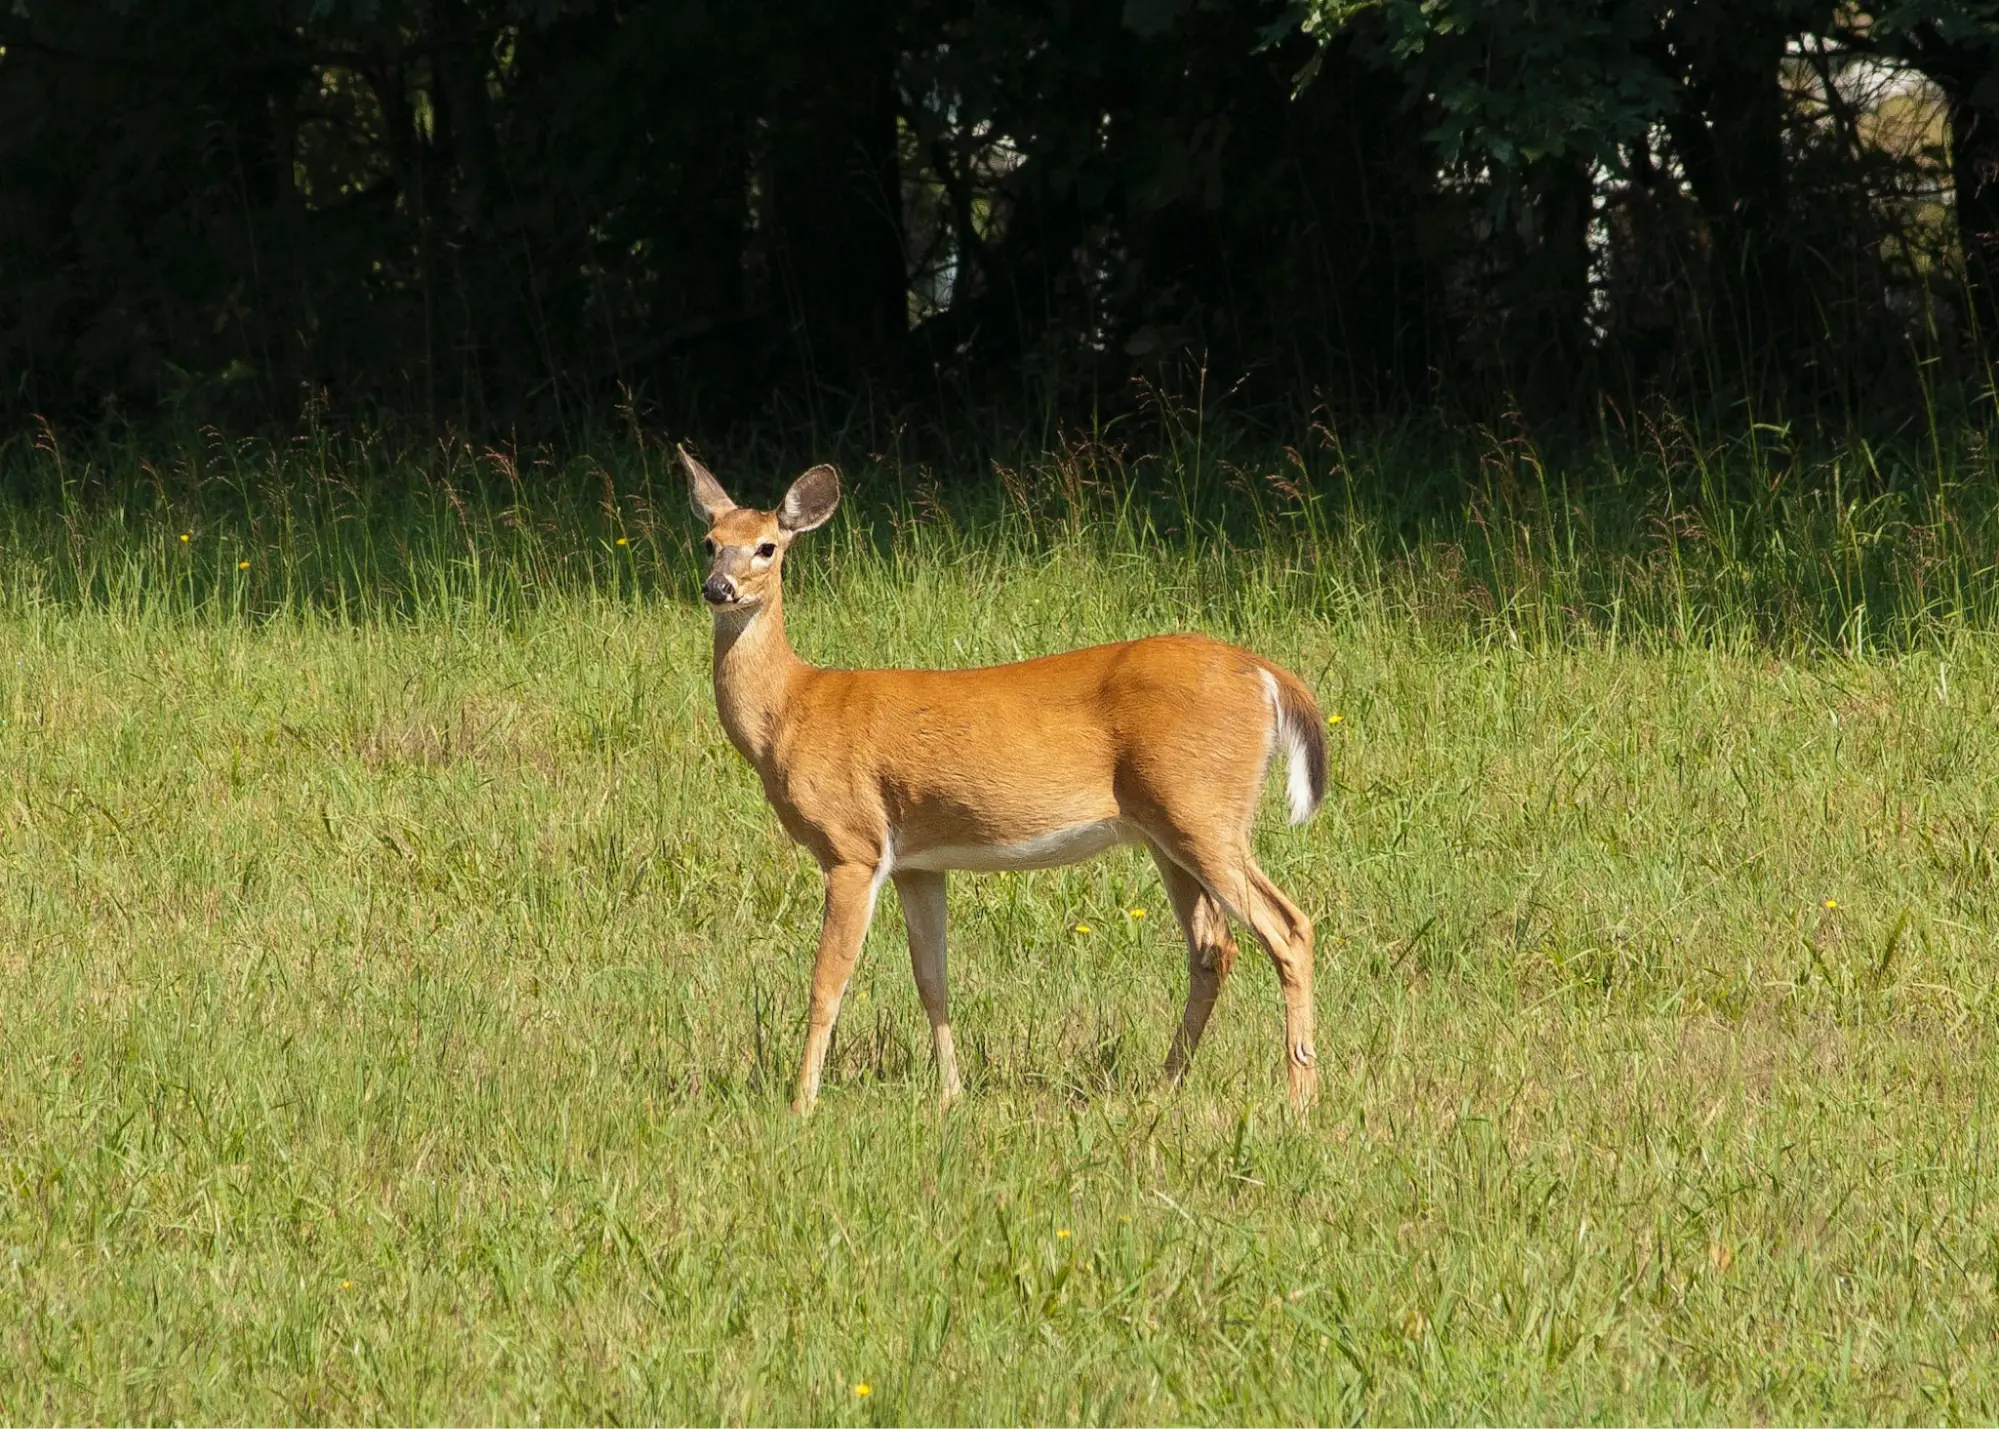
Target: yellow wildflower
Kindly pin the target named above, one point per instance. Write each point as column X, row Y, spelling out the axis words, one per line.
column 185, row 537
column 622, row 541
column 863, row 1390
column 1082, row 927
column 1134, row 912
column 1062, row 1234
column 1332, row 720
column 242, row 565
column 1832, row 903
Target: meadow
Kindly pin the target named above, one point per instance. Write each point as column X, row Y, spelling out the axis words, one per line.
column 401, row 978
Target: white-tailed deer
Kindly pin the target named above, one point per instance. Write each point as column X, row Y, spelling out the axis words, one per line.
column 905, row 774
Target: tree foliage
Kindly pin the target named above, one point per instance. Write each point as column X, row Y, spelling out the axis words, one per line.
column 487, row 211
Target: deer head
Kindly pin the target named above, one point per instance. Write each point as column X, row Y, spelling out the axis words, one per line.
column 746, row 546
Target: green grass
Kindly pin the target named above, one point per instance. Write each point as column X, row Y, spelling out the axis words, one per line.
column 401, row 978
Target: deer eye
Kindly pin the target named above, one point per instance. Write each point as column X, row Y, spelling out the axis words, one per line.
column 767, row 550
column 708, row 544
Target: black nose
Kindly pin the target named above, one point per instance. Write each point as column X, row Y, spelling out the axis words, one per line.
column 718, row 589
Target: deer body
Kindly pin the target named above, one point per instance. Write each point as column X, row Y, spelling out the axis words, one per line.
column 909, row 774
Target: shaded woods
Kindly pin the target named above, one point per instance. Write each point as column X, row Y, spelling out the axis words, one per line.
column 486, row 212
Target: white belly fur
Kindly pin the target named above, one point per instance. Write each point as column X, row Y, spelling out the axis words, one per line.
column 1050, row 850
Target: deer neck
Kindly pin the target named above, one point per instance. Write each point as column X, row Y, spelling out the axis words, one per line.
column 755, row 668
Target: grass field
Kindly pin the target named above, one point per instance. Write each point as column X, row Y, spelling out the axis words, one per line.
column 401, row 978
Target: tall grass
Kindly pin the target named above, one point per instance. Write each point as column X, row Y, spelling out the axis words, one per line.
column 1657, row 532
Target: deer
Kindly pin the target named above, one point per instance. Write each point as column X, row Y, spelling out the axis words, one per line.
column 904, row 776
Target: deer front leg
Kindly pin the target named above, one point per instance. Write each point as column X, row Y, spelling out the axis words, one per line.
column 850, row 904
column 922, row 895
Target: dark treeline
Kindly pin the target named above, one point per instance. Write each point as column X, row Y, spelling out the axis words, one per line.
column 484, row 212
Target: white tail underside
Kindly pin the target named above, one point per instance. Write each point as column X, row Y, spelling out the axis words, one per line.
column 1298, row 777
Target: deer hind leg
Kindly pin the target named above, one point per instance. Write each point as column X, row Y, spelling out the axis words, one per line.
column 922, row 895
column 1232, row 878
column 1211, row 952
column 850, row 905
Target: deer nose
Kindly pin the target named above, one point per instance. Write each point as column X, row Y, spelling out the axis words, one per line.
column 718, row 589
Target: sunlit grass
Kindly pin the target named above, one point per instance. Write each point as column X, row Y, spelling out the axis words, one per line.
column 401, row 977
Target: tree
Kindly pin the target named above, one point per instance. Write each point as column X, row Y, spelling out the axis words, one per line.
column 1955, row 43
column 493, row 211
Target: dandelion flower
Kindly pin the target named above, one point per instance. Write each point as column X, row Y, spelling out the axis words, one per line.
column 1832, row 903
column 185, row 537
column 623, row 542
column 1134, row 912
column 346, row 1285
column 1332, row 720
column 863, row 1390
column 242, row 565
column 1062, row 1234
column 1082, row 927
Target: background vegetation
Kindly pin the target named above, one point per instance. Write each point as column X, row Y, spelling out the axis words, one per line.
column 485, row 214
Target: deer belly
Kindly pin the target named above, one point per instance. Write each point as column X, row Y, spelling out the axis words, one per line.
column 1050, row 850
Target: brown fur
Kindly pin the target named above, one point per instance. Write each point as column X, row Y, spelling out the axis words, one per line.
column 905, row 773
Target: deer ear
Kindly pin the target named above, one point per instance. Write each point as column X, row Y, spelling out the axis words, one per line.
column 810, row 501
column 711, row 503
